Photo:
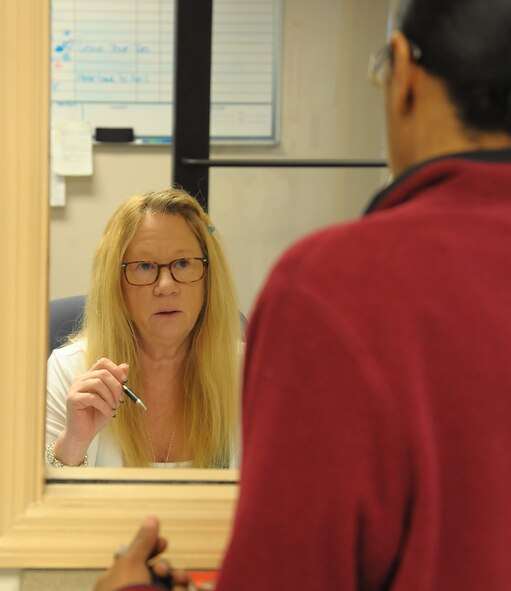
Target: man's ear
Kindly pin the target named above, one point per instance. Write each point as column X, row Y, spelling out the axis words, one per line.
column 402, row 77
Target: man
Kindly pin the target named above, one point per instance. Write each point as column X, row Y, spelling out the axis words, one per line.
column 377, row 390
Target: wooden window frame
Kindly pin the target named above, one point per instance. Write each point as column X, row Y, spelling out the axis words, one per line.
column 68, row 518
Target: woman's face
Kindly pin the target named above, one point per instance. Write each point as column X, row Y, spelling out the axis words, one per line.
column 165, row 312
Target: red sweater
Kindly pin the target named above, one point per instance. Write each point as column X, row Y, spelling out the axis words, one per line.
column 377, row 398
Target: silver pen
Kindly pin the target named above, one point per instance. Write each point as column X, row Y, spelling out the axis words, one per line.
column 133, row 396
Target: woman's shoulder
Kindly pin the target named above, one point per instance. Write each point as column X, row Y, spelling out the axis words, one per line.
column 71, row 356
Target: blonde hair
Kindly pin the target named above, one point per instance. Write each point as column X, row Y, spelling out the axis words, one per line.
column 210, row 372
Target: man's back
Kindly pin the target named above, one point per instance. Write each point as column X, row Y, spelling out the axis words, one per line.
column 377, row 396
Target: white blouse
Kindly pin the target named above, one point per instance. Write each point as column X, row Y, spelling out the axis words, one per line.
column 64, row 364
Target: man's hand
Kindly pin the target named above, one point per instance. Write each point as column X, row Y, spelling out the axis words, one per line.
column 131, row 566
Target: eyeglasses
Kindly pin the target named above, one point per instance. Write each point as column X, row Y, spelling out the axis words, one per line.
column 380, row 60
column 186, row 270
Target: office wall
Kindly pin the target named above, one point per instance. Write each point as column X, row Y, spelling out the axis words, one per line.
column 328, row 110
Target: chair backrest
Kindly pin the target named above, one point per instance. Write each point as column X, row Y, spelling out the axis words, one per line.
column 65, row 318
column 66, row 315
column 244, row 324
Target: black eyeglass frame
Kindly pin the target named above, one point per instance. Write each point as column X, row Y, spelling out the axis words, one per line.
column 378, row 59
column 204, row 261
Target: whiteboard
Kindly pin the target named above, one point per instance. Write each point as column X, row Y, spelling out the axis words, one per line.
column 112, row 66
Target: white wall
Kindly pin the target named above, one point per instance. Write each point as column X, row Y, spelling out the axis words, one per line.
column 328, row 110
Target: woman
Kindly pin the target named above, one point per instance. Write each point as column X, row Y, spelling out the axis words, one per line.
column 161, row 316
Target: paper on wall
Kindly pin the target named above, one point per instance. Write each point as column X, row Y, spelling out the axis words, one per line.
column 57, row 189
column 71, row 147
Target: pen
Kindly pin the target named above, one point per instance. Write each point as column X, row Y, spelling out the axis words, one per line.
column 133, row 396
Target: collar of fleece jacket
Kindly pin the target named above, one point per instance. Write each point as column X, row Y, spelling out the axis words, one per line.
column 403, row 187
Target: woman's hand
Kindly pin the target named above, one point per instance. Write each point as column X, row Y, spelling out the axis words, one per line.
column 91, row 404
column 131, row 566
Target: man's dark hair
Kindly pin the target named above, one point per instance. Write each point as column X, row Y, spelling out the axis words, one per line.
column 467, row 44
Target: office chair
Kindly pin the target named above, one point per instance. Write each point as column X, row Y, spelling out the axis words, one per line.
column 66, row 315
column 65, row 318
